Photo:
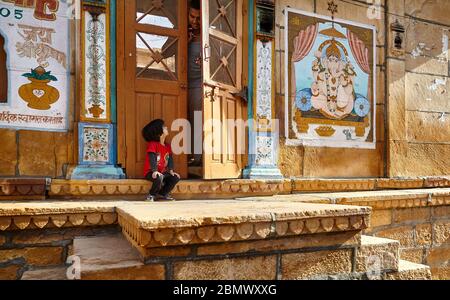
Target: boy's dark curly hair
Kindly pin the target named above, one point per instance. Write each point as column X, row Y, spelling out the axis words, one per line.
column 195, row 4
column 153, row 130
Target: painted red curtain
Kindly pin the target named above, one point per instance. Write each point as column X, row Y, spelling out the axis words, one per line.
column 360, row 51
column 304, row 42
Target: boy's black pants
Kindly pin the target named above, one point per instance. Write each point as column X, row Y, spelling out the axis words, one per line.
column 162, row 185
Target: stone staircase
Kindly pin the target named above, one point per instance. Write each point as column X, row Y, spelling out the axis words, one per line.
column 238, row 240
column 113, row 258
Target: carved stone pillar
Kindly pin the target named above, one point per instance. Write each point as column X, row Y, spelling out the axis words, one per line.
column 263, row 131
column 97, row 142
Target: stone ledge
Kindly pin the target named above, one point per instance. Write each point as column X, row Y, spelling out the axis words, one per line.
column 111, row 257
column 410, row 271
column 22, row 189
column 379, row 200
column 40, row 215
column 181, row 223
column 396, row 183
column 332, row 185
column 185, row 190
column 376, row 250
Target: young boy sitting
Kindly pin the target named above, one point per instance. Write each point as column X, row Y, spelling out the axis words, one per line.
column 159, row 167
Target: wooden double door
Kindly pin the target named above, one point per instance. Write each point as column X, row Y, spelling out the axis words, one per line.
column 152, row 64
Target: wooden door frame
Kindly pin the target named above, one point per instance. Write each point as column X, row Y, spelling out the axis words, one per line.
column 121, row 83
column 241, row 80
column 122, row 92
column 126, row 89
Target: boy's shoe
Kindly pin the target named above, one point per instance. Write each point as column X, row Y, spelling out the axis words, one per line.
column 150, row 198
column 165, row 197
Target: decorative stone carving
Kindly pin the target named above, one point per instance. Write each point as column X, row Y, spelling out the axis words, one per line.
column 245, row 225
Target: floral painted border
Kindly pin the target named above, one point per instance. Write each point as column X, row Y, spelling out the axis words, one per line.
column 96, row 144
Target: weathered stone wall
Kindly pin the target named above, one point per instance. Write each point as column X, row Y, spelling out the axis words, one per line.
column 423, row 233
column 419, row 115
column 328, row 162
column 35, row 153
column 28, row 249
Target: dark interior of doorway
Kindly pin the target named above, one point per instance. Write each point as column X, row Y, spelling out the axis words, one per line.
column 194, row 56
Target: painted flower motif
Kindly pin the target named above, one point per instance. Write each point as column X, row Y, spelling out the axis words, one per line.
column 303, row 100
column 96, row 145
column 362, row 107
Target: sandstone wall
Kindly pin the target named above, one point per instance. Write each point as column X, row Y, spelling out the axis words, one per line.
column 328, row 162
column 419, row 118
column 35, row 153
column 24, row 250
column 423, row 233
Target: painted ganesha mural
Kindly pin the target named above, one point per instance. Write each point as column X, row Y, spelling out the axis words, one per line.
column 330, row 91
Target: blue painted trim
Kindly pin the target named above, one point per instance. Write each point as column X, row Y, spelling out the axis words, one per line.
column 111, row 146
column 251, row 75
column 113, row 61
column 97, row 172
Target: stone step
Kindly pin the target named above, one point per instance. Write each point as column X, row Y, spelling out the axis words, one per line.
column 410, row 271
column 188, row 223
column 111, row 257
column 377, row 254
column 53, row 273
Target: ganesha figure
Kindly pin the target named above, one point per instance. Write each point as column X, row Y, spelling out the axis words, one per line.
column 333, row 87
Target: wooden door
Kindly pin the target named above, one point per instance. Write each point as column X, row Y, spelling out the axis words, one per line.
column 222, row 74
column 154, row 37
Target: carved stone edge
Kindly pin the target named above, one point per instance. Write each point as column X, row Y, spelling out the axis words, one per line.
column 238, row 232
column 11, row 223
column 140, row 187
column 318, row 185
column 22, row 189
column 404, row 201
column 394, row 183
column 255, row 187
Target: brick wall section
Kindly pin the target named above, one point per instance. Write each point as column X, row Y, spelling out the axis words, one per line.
column 24, row 250
column 423, row 232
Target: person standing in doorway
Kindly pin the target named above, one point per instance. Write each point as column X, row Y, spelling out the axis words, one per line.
column 195, row 80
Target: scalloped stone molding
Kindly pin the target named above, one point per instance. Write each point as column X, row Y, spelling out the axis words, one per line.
column 236, row 188
column 56, row 221
column 22, row 189
column 184, row 190
column 151, row 227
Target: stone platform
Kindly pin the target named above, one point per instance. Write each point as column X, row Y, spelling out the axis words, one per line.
column 229, row 189
column 193, row 223
column 296, row 236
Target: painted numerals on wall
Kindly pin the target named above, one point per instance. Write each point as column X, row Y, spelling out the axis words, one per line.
column 5, row 12
column 43, row 9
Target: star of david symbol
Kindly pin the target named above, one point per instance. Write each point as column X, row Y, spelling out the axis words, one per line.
column 332, row 7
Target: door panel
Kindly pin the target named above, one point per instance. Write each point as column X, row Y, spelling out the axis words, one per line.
column 222, row 72
column 155, row 41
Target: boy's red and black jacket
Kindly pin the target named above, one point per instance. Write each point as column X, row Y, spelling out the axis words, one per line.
column 159, row 158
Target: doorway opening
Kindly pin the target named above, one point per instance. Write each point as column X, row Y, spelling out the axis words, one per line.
column 181, row 63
